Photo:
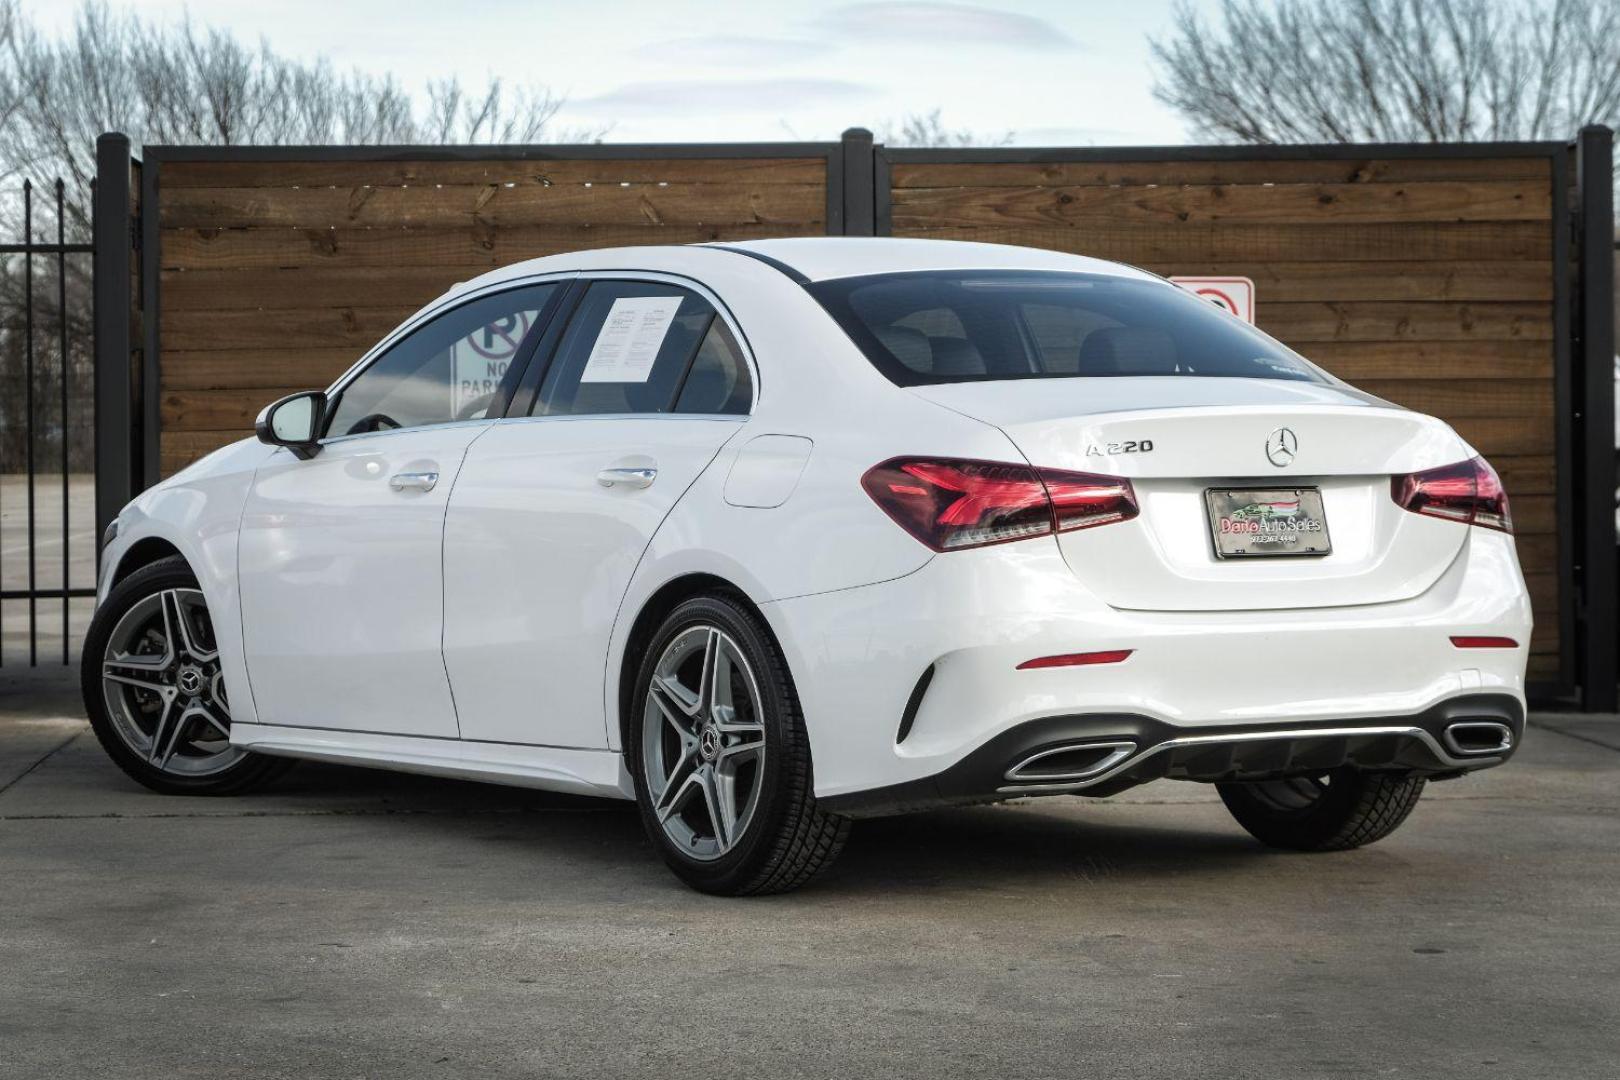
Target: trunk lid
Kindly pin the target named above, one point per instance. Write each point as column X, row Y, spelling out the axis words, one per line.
column 1176, row 437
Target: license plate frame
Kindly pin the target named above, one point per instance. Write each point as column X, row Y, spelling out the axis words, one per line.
column 1267, row 522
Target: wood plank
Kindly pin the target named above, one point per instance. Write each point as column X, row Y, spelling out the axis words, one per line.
column 1534, row 515
column 1544, row 637
column 1387, row 321
column 255, row 369
column 1136, row 173
column 1543, row 589
column 1527, row 474
column 1542, row 668
column 1538, row 550
column 1499, row 436
column 1358, row 360
column 1345, row 204
column 477, row 247
column 353, row 328
column 217, row 410
column 1204, row 242
column 308, row 287
column 466, row 204
column 1450, row 398
column 1395, row 280
column 285, row 174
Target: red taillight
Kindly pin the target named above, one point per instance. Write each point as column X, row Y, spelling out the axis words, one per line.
column 1469, row 492
column 950, row 504
column 1078, row 659
column 1467, row 642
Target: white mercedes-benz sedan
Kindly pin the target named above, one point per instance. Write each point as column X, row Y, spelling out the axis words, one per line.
column 770, row 536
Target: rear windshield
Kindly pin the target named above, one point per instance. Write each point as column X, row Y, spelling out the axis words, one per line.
column 962, row 326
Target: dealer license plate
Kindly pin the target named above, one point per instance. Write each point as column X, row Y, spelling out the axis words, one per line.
column 1249, row 522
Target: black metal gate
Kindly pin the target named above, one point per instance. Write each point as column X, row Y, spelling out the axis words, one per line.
column 47, row 462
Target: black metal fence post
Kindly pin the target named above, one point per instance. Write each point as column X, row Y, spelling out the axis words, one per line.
column 859, row 216
column 114, row 385
column 1598, row 654
column 28, row 415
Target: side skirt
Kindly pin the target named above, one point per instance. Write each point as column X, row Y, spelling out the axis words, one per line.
column 551, row 768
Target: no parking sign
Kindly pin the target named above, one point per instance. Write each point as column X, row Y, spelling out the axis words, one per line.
column 1234, row 294
column 479, row 361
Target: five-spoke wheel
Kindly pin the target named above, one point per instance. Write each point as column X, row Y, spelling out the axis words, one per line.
column 155, row 689
column 717, row 746
column 703, row 741
column 163, row 687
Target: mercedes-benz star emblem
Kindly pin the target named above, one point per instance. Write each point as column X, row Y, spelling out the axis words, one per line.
column 1281, row 446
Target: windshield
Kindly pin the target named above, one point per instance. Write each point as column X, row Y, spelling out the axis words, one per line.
column 962, row 326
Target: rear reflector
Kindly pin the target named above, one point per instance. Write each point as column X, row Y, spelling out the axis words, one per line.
column 1076, row 659
column 1465, row 642
column 949, row 503
column 1468, row 492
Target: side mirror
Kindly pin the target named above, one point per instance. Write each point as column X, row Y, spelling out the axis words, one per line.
column 293, row 422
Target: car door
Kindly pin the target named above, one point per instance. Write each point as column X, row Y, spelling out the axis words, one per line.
column 555, row 507
column 340, row 555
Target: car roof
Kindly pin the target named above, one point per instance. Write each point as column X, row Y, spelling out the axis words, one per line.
column 809, row 258
column 821, row 258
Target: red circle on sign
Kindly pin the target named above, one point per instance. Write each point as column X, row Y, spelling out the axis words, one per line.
column 1220, row 298
column 512, row 341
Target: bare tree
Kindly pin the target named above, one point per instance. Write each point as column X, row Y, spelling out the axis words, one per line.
column 176, row 84
column 928, row 129
column 1393, row 70
column 203, row 86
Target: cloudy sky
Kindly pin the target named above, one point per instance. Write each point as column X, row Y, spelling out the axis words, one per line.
column 1049, row 71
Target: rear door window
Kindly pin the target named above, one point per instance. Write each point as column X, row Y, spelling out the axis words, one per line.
column 644, row 347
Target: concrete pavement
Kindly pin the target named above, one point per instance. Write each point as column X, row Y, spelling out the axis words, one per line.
column 352, row 923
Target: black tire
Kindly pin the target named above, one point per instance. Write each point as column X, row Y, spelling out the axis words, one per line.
column 1343, row 809
column 243, row 772
column 788, row 839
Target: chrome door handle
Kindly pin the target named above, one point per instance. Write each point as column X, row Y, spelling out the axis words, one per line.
column 413, row 481
column 630, row 478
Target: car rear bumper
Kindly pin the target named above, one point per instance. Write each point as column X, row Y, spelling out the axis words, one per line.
column 1102, row 754
column 904, row 680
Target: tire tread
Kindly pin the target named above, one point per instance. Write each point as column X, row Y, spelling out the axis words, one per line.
column 1359, row 809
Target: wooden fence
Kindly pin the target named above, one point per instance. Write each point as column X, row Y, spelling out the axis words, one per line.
column 275, row 275
column 1448, row 279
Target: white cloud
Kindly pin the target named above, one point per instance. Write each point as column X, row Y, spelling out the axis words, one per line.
column 933, row 22
column 691, row 98
column 735, row 51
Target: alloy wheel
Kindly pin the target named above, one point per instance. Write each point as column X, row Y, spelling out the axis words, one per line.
column 703, row 742
column 164, row 688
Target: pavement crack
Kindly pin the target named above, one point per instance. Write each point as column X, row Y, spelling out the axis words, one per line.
column 1577, row 737
column 52, row 752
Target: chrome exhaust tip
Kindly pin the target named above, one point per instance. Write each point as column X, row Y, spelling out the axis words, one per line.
column 1070, row 763
column 1477, row 738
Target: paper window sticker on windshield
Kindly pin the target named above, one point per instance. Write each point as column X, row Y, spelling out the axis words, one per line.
column 631, row 335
